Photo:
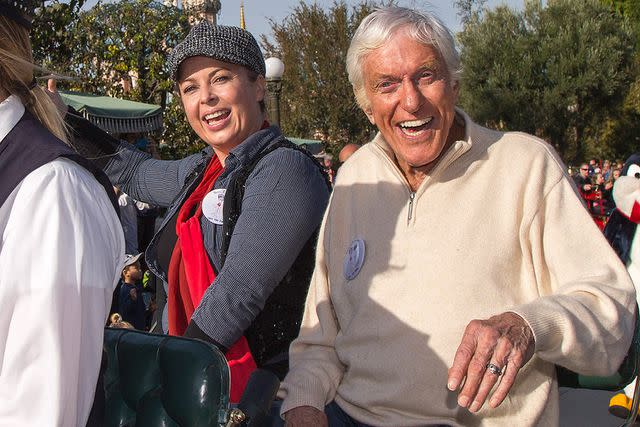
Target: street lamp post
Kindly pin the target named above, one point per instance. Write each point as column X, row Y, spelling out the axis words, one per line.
column 274, row 71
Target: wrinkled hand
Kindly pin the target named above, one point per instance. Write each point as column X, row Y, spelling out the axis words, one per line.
column 133, row 294
column 504, row 340
column 52, row 91
column 303, row 416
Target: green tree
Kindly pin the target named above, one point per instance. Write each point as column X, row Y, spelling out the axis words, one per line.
column 556, row 71
column 630, row 9
column 501, row 63
column 117, row 43
column 53, row 41
column 467, row 9
column 317, row 99
column 119, row 49
column 179, row 138
column 622, row 129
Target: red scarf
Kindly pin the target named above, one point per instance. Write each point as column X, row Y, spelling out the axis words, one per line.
column 191, row 273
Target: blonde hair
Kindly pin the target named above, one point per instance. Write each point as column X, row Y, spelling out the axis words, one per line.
column 16, row 75
column 116, row 321
column 122, row 325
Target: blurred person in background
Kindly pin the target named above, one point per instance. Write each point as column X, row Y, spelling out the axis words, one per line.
column 347, row 151
column 115, row 321
column 131, row 304
column 593, row 164
column 582, row 179
column 327, row 162
column 604, row 187
column 606, row 169
column 129, row 220
column 615, row 174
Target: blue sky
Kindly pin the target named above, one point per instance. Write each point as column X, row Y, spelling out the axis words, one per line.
column 258, row 12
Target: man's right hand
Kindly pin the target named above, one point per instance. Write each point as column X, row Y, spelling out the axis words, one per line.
column 133, row 294
column 303, row 416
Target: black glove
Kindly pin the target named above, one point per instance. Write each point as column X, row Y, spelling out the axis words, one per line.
column 194, row 331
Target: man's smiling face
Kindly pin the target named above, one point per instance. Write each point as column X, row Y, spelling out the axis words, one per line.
column 411, row 99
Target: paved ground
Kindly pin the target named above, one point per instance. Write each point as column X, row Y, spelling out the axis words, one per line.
column 586, row 408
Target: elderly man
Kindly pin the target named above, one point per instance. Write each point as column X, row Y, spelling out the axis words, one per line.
column 418, row 242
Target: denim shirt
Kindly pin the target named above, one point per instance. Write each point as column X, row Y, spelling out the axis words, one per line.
column 284, row 201
column 238, row 158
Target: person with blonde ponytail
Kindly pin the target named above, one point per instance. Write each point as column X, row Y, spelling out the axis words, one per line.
column 61, row 248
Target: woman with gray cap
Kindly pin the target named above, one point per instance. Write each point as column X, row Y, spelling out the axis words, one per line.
column 236, row 246
column 61, row 247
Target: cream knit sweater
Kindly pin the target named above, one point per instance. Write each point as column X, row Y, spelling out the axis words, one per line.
column 497, row 226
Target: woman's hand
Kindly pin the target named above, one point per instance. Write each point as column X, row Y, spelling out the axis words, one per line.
column 491, row 350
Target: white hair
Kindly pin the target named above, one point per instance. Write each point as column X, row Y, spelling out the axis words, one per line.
column 378, row 28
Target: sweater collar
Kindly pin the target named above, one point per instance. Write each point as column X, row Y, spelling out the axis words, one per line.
column 456, row 150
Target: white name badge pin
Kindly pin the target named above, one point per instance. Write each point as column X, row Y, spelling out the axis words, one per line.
column 354, row 259
column 213, row 204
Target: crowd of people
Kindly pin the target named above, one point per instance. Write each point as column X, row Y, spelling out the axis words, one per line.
column 595, row 180
column 399, row 300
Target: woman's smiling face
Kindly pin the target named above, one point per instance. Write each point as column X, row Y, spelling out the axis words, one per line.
column 221, row 101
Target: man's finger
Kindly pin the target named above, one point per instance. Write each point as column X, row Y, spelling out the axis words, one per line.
column 507, row 380
column 461, row 360
column 488, row 381
column 475, row 375
column 486, row 339
column 52, row 85
column 499, row 361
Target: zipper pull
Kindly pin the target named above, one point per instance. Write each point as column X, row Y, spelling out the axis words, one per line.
column 412, row 196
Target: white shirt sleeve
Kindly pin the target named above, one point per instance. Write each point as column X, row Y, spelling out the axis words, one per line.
column 61, row 250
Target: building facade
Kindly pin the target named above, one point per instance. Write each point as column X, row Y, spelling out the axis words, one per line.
column 199, row 10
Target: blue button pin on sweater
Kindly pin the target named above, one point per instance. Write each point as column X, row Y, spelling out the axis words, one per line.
column 354, row 259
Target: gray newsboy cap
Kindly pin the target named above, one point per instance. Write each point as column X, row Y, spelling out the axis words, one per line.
column 228, row 44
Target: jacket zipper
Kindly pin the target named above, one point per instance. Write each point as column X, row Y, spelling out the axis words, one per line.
column 453, row 154
column 412, row 195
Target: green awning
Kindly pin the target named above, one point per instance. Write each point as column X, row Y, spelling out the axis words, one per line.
column 115, row 115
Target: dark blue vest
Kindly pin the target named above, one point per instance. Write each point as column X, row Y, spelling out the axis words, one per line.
column 30, row 145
